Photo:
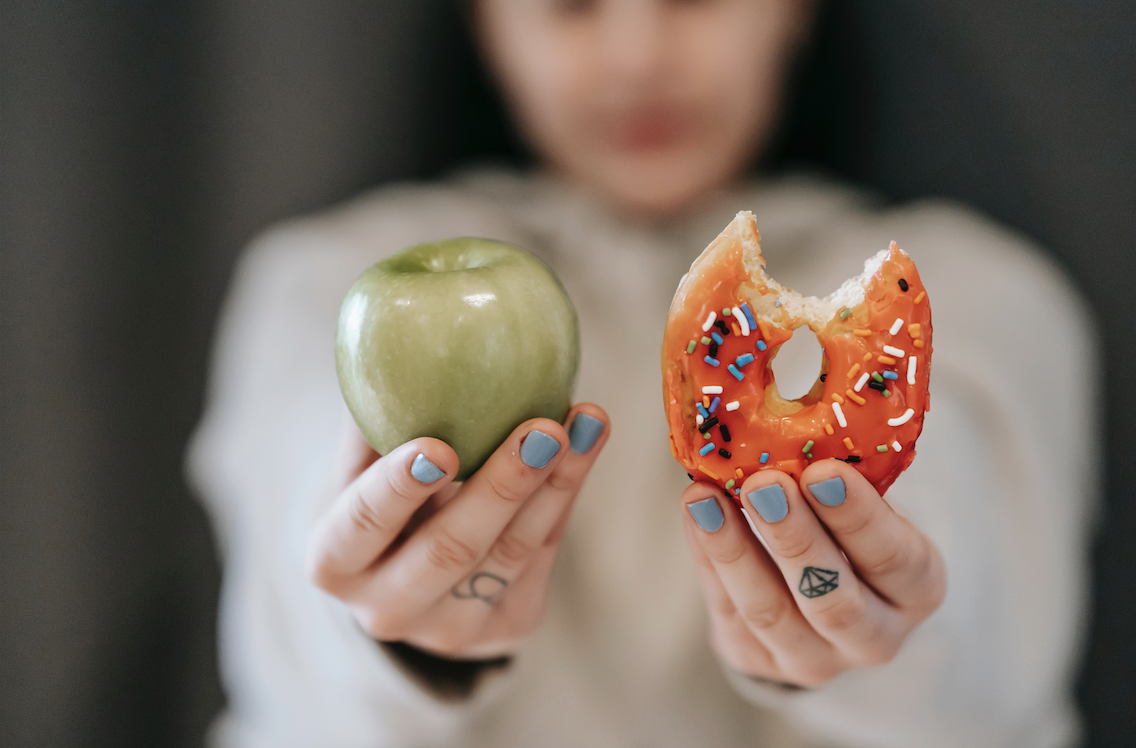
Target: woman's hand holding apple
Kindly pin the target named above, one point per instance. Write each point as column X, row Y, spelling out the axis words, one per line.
column 459, row 570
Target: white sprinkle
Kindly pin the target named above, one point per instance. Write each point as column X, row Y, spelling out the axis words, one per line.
column 742, row 321
column 901, row 419
column 893, row 351
column 863, row 379
column 839, row 415
column 733, row 405
column 911, row 370
column 896, row 447
column 709, row 322
column 699, row 419
column 896, row 326
column 713, row 389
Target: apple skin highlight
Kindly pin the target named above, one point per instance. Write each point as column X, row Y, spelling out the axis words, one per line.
column 462, row 340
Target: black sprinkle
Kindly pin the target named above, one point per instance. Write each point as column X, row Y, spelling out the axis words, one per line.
column 724, row 453
column 877, row 385
column 822, row 377
column 708, row 425
column 688, row 475
column 722, row 326
column 853, row 458
column 903, row 284
column 713, row 350
column 725, row 432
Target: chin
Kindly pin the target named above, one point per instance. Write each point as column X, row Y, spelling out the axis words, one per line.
column 662, row 193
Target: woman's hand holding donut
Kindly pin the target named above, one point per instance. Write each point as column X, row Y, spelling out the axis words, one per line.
column 844, row 582
column 459, row 570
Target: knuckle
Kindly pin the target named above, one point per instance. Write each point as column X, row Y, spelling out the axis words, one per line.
column 765, row 614
column 795, row 547
column 447, row 641
column 725, row 553
column 379, row 624
column 448, row 552
column 511, row 550
column 562, row 482
column 842, row 614
column 892, row 561
column 724, row 608
column 508, row 487
column 365, row 516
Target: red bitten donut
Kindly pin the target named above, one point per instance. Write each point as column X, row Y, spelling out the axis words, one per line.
column 725, row 325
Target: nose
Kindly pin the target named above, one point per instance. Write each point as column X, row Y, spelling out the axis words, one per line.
column 633, row 43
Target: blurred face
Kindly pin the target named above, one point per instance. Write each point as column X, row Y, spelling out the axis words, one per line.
column 651, row 102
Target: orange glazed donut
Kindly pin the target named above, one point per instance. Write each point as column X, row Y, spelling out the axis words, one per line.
column 726, row 324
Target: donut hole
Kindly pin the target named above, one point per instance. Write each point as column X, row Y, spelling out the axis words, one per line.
column 796, row 366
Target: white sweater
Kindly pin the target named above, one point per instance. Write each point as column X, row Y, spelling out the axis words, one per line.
column 1005, row 482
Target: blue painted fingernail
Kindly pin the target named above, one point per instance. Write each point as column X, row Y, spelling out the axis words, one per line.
column 770, row 502
column 539, row 449
column 583, row 432
column 707, row 514
column 425, row 471
column 829, row 492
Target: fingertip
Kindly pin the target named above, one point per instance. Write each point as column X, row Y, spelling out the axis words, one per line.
column 828, row 482
column 707, row 513
column 429, row 460
column 542, row 441
column 769, row 493
column 587, row 424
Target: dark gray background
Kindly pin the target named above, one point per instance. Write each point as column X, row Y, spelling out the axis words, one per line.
column 141, row 144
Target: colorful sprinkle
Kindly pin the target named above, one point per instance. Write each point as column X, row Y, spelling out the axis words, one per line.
column 708, row 472
column 749, row 316
column 729, row 484
column 707, row 449
column 920, row 296
column 711, row 361
column 706, row 436
column 876, row 376
column 914, row 329
column 777, row 303
column 764, row 457
column 761, row 345
column 737, row 330
column 691, row 346
column 709, row 322
column 890, row 375
column 878, row 386
column 712, row 389
column 837, row 398
column 726, row 312
column 848, row 443
column 861, row 381
column 710, row 423
column 840, row 415
column 887, row 393
column 867, row 357
column 699, row 419
column 809, row 455
column 911, row 366
column 725, row 432
column 714, row 350
column 918, row 343
column 886, row 360
column 844, row 313
column 861, row 333
column 852, row 458
column 739, row 472
column 742, row 321
column 891, row 350
column 896, row 326
column 705, row 340
column 714, row 404
column 742, row 360
column 879, row 448
column 900, row 420
column 722, row 451
column 702, row 411
column 734, row 370
column 854, row 397
column 721, row 327
column 828, row 429
column 896, row 446
column 903, row 285
column 852, row 372
column 808, row 446
column 716, row 338
column 733, row 405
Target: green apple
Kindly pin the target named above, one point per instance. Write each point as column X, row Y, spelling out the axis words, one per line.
column 463, row 340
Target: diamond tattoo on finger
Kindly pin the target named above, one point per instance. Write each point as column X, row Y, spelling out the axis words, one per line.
column 816, row 582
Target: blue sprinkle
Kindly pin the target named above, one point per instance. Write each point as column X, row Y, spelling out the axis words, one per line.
column 761, row 345
column 717, row 338
column 764, row 457
column 714, row 404
column 737, row 492
column 702, row 410
column 711, row 361
column 777, row 303
column 737, row 374
column 707, row 449
column 749, row 316
column 742, row 360
column 890, row 375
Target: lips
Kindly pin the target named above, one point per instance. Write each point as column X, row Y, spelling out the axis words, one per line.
column 648, row 129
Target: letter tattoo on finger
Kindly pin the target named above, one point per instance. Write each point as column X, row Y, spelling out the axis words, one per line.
column 481, row 586
column 816, row 582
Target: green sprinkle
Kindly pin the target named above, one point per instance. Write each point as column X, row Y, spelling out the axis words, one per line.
column 808, row 446
column 809, row 455
column 706, row 435
column 730, row 483
column 887, row 393
column 727, row 312
column 706, row 340
column 876, row 376
column 845, row 312
column 882, row 448
column 691, row 346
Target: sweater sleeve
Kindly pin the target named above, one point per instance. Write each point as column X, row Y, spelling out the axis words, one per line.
column 297, row 668
column 1006, row 484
